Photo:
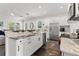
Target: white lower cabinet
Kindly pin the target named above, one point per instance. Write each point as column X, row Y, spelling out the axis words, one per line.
column 27, row 49
column 23, row 46
column 39, row 41
column 10, row 47
column 19, row 47
column 27, row 46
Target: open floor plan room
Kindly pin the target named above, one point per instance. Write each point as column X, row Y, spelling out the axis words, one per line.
column 39, row 29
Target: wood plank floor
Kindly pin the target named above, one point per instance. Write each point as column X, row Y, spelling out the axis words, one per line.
column 51, row 48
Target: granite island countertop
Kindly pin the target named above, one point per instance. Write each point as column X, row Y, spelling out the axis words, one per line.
column 16, row 35
column 70, row 46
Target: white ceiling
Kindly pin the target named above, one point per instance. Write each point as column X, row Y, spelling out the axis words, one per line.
column 33, row 9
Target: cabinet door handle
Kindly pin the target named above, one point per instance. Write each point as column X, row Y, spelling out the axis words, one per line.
column 18, row 48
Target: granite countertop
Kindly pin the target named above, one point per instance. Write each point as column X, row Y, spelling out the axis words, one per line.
column 70, row 45
column 16, row 35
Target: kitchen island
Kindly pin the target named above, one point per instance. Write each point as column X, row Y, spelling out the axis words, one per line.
column 22, row 43
column 69, row 47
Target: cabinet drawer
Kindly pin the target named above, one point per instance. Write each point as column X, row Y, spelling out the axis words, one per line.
column 27, row 40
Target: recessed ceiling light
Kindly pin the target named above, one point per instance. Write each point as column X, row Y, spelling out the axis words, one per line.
column 12, row 14
column 39, row 6
column 61, row 7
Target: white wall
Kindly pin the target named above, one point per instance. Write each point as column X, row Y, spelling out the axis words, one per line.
column 62, row 20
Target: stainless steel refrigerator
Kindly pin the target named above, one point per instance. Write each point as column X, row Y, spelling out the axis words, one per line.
column 54, row 31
